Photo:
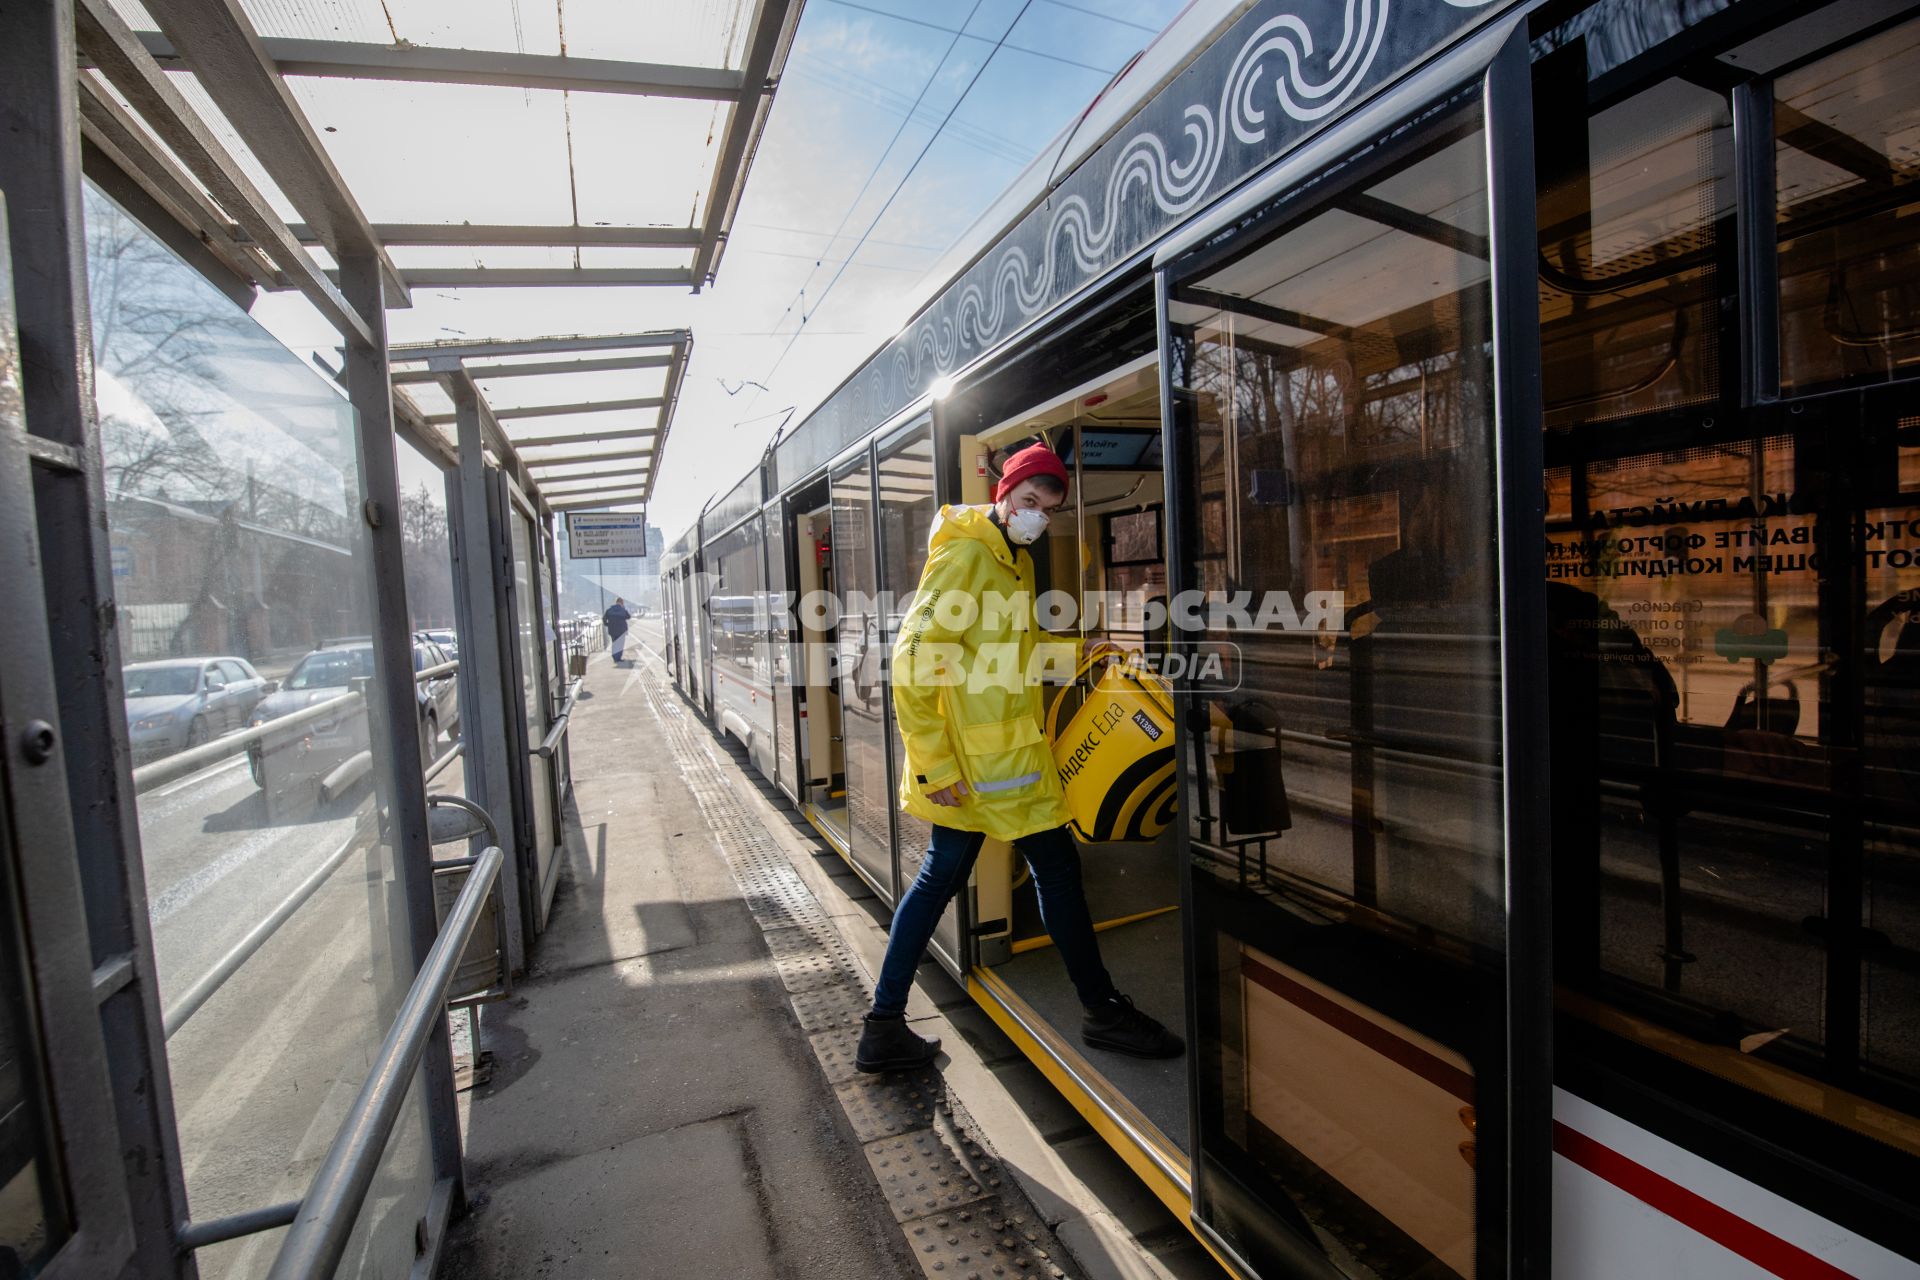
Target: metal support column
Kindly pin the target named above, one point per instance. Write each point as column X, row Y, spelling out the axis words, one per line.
column 366, row 377
column 483, row 711
column 85, row 821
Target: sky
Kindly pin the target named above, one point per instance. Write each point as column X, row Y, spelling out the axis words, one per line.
column 896, row 124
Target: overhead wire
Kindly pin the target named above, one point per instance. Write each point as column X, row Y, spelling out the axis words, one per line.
column 800, row 298
column 901, row 184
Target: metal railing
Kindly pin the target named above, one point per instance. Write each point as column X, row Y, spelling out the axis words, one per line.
column 555, row 735
column 324, row 1222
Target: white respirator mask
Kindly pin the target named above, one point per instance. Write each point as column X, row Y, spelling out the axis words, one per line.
column 1026, row 525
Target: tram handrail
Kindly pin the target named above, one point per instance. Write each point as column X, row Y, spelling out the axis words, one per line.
column 174, row 767
column 430, row 673
column 318, row 1238
column 551, row 743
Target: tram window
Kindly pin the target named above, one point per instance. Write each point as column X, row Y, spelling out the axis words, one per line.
column 1345, row 827
column 1847, row 189
column 1733, row 664
column 1635, row 219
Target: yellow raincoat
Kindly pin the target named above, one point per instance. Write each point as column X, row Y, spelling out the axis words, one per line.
column 968, row 690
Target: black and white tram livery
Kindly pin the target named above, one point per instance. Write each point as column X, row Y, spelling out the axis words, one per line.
column 1544, row 892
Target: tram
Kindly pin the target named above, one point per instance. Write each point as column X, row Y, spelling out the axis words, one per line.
column 1546, row 899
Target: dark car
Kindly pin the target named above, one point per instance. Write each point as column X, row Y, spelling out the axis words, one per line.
column 286, row 765
column 183, row 702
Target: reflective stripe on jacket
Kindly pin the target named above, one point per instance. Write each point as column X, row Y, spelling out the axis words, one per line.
column 967, row 690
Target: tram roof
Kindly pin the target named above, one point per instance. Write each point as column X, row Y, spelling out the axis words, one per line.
column 214, row 114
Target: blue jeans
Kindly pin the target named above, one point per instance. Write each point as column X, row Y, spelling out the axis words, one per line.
column 1063, row 909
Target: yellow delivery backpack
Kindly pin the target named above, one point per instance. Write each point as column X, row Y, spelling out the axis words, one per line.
column 1115, row 756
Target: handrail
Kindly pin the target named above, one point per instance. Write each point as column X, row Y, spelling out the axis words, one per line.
column 428, row 673
column 551, row 743
column 149, row 776
column 318, row 1237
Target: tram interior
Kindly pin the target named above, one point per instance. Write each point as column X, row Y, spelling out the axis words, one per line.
column 822, row 756
column 1106, row 545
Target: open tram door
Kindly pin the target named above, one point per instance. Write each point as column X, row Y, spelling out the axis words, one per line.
column 1353, row 378
column 1101, row 571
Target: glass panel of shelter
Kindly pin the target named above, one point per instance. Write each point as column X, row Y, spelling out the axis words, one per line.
column 1344, row 812
column 233, row 498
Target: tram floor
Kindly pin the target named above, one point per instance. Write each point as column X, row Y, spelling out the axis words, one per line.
column 1144, row 959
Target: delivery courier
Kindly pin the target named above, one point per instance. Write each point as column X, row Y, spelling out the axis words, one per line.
column 969, row 707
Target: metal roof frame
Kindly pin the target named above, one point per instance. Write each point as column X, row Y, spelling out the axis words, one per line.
column 446, row 364
column 247, row 84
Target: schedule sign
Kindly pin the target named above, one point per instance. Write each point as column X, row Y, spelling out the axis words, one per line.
column 607, row 535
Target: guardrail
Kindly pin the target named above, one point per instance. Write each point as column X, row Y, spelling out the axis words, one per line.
column 175, row 767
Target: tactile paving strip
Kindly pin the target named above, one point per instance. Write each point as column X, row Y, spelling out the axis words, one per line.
column 976, row 1245
column 830, row 1008
column 962, row 1218
column 835, row 1050
column 921, row 1173
column 878, row 1107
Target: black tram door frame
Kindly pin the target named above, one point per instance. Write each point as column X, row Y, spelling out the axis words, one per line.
column 852, row 640
column 1520, row 1124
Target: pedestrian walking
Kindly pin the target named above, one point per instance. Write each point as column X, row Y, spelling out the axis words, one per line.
column 616, row 618
column 978, row 763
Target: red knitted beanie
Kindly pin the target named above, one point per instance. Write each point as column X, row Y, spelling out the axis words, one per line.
column 1034, row 460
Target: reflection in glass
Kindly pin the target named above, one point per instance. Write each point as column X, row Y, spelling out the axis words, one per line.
column 1635, row 217
column 233, row 496
column 863, row 687
column 1733, row 665
column 1345, row 818
column 1847, row 175
column 907, row 509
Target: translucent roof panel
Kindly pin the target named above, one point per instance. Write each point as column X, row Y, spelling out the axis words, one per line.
column 556, row 256
column 530, row 430
column 414, row 152
column 575, row 388
column 644, row 161
column 444, row 152
column 707, row 33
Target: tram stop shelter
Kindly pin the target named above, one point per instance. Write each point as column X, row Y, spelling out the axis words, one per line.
column 180, row 490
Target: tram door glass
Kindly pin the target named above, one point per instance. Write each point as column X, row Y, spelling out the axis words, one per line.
column 907, row 509
column 779, row 653
column 1734, row 598
column 1344, row 809
column 862, row 669
column 241, row 577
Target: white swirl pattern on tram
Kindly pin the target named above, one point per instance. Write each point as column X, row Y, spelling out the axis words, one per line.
column 1176, row 183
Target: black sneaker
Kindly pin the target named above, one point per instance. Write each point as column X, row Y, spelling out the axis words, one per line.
column 888, row 1044
column 1118, row 1026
